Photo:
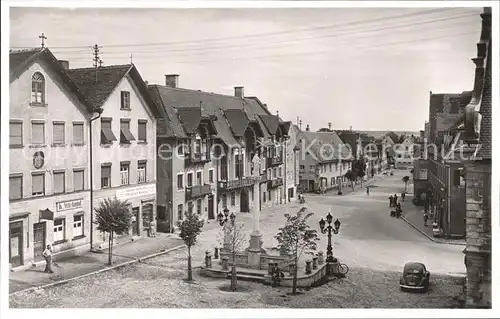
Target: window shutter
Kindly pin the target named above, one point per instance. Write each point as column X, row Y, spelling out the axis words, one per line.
column 16, row 134
column 59, row 133
column 78, row 181
column 124, row 125
column 142, row 131
column 15, row 190
column 59, row 183
column 106, row 172
column 38, row 182
column 78, row 133
column 38, row 133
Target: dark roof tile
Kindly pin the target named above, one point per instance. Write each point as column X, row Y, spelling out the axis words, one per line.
column 238, row 121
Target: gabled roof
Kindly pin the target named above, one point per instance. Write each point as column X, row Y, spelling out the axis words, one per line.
column 271, row 122
column 98, row 84
column 388, row 139
column 238, row 121
column 190, row 118
column 324, row 141
column 20, row 61
column 170, row 126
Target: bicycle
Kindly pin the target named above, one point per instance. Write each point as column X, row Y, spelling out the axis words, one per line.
column 342, row 269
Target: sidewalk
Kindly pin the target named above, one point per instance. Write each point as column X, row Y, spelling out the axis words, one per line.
column 414, row 216
column 91, row 262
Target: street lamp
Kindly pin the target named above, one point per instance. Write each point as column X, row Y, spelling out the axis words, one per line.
column 329, row 230
column 223, row 219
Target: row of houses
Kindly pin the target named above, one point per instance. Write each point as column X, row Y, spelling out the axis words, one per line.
column 453, row 179
column 78, row 136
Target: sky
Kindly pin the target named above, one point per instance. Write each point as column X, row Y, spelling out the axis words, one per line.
column 365, row 68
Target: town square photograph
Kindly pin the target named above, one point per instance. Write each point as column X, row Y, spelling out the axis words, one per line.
column 210, row 157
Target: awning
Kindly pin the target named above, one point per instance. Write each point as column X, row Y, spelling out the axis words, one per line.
column 18, row 215
column 126, row 134
column 46, row 214
column 108, row 134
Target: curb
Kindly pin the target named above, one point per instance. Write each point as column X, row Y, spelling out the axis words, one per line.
column 429, row 237
column 64, row 281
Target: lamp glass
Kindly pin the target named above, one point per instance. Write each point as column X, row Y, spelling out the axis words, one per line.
column 322, row 224
column 329, row 218
column 337, row 224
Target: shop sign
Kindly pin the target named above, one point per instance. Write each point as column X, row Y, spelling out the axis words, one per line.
column 70, row 204
column 145, row 190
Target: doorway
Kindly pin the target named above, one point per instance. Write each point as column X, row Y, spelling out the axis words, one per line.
column 211, row 207
column 147, row 215
column 135, row 221
column 16, row 244
column 244, row 204
column 290, row 193
column 39, row 230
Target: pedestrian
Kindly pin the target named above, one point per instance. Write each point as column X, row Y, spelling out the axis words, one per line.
column 47, row 255
column 391, row 201
column 403, row 195
column 395, row 199
column 426, row 218
column 367, row 190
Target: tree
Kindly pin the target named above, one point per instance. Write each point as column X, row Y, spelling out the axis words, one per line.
column 113, row 216
column 190, row 228
column 351, row 176
column 296, row 238
column 234, row 238
column 406, row 179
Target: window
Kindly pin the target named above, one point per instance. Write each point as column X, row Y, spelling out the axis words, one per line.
column 16, row 133
column 180, row 211
column 16, row 187
column 59, row 182
column 125, row 100
column 190, row 207
column 302, row 167
column 37, row 89
column 252, row 194
column 223, row 168
column 274, row 172
column 312, row 169
column 77, row 226
column 59, row 229
column 237, row 166
column 198, row 206
column 78, row 134
column 105, row 176
column 141, row 171
column 336, row 166
column 180, row 149
column 38, row 184
column 124, row 173
column 199, row 180
column 332, row 182
column 264, row 197
column 233, row 198
column 78, row 181
column 38, row 133
column 279, row 172
column 211, row 176
column 189, row 179
column 331, row 167
column 107, row 136
column 58, row 128
column 180, row 181
column 224, row 200
column 125, row 135
column 142, row 129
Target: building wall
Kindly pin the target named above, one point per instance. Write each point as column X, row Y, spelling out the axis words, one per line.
column 478, row 239
column 138, row 194
column 60, row 106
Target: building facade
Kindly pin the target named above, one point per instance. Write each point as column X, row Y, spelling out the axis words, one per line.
column 49, row 172
column 124, row 143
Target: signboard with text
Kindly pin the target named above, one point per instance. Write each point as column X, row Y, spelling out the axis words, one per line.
column 70, row 204
column 137, row 191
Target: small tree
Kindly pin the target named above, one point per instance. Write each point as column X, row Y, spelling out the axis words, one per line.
column 234, row 240
column 190, row 228
column 351, row 176
column 296, row 238
column 406, row 179
column 113, row 216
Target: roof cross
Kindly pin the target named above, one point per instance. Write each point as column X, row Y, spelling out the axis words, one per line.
column 43, row 37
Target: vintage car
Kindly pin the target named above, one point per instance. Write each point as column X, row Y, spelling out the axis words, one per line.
column 415, row 277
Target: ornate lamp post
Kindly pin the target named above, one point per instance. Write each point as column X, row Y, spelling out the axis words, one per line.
column 329, row 230
column 223, row 219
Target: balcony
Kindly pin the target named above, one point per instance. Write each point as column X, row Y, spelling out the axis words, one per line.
column 196, row 158
column 276, row 182
column 247, row 181
column 274, row 161
column 197, row 191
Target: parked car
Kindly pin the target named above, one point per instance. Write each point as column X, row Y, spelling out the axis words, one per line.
column 415, row 277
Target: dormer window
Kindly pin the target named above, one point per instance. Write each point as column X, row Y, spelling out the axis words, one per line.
column 38, row 89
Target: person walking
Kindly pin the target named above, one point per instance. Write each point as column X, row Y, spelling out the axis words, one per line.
column 47, row 255
column 395, row 199
column 403, row 195
column 391, row 201
column 426, row 218
column 368, row 190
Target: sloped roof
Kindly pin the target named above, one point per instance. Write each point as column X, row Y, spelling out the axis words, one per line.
column 388, row 139
column 238, row 121
column 323, row 141
column 485, row 134
column 98, row 84
column 271, row 122
column 170, row 126
column 19, row 61
column 190, row 118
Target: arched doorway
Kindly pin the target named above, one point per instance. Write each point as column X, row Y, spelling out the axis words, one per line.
column 244, row 201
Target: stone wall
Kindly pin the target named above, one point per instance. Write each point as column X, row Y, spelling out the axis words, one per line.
column 478, row 238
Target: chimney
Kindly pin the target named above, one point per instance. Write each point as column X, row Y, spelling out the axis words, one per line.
column 330, row 126
column 172, row 80
column 307, row 127
column 146, row 83
column 239, row 92
column 64, row 64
